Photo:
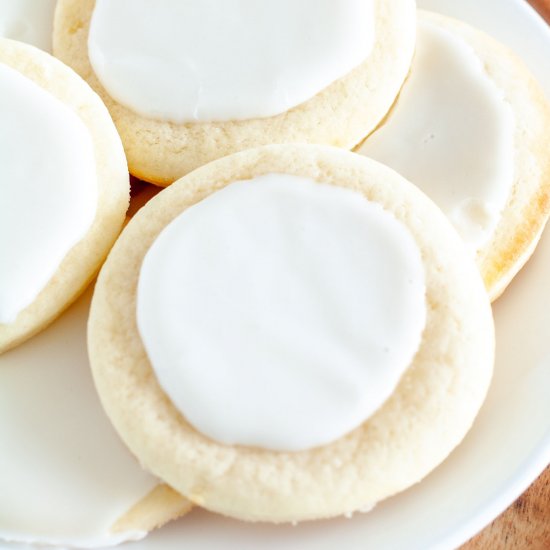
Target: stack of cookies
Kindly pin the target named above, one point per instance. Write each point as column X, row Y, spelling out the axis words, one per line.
column 299, row 325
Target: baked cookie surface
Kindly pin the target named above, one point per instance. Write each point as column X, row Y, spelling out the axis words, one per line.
column 82, row 261
column 493, row 184
column 341, row 114
column 427, row 415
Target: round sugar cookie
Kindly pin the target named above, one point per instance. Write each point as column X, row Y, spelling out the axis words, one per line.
column 67, row 481
column 35, row 72
column 429, row 412
column 474, row 138
column 341, row 114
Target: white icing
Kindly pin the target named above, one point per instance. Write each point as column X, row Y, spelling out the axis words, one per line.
column 186, row 60
column 48, row 188
column 281, row 313
column 452, row 134
column 28, row 21
column 65, row 477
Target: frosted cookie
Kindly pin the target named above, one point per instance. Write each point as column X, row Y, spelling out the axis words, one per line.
column 290, row 333
column 63, row 188
column 470, row 128
column 29, row 21
column 66, row 479
column 189, row 82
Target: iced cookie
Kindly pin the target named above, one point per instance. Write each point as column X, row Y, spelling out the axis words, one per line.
column 66, row 479
column 189, row 82
column 29, row 21
column 470, row 128
column 63, row 188
column 290, row 333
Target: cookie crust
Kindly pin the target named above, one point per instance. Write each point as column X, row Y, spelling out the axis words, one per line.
column 341, row 115
column 83, row 261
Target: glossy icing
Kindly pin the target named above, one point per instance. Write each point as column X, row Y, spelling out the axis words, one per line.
column 191, row 60
column 451, row 133
column 280, row 312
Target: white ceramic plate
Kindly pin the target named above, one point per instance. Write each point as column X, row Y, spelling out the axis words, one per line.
column 509, row 444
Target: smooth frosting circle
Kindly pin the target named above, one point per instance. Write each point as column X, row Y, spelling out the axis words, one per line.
column 191, row 60
column 29, row 21
column 451, row 132
column 280, row 312
column 48, row 188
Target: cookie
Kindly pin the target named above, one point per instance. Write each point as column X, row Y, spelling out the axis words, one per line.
column 67, row 480
column 470, row 128
column 354, row 295
column 264, row 84
column 64, row 186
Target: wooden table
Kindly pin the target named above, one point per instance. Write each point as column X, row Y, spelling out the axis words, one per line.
column 543, row 7
column 525, row 525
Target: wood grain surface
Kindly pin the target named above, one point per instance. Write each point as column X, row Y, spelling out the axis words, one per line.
column 523, row 526
column 543, row 7
column 526, row 524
